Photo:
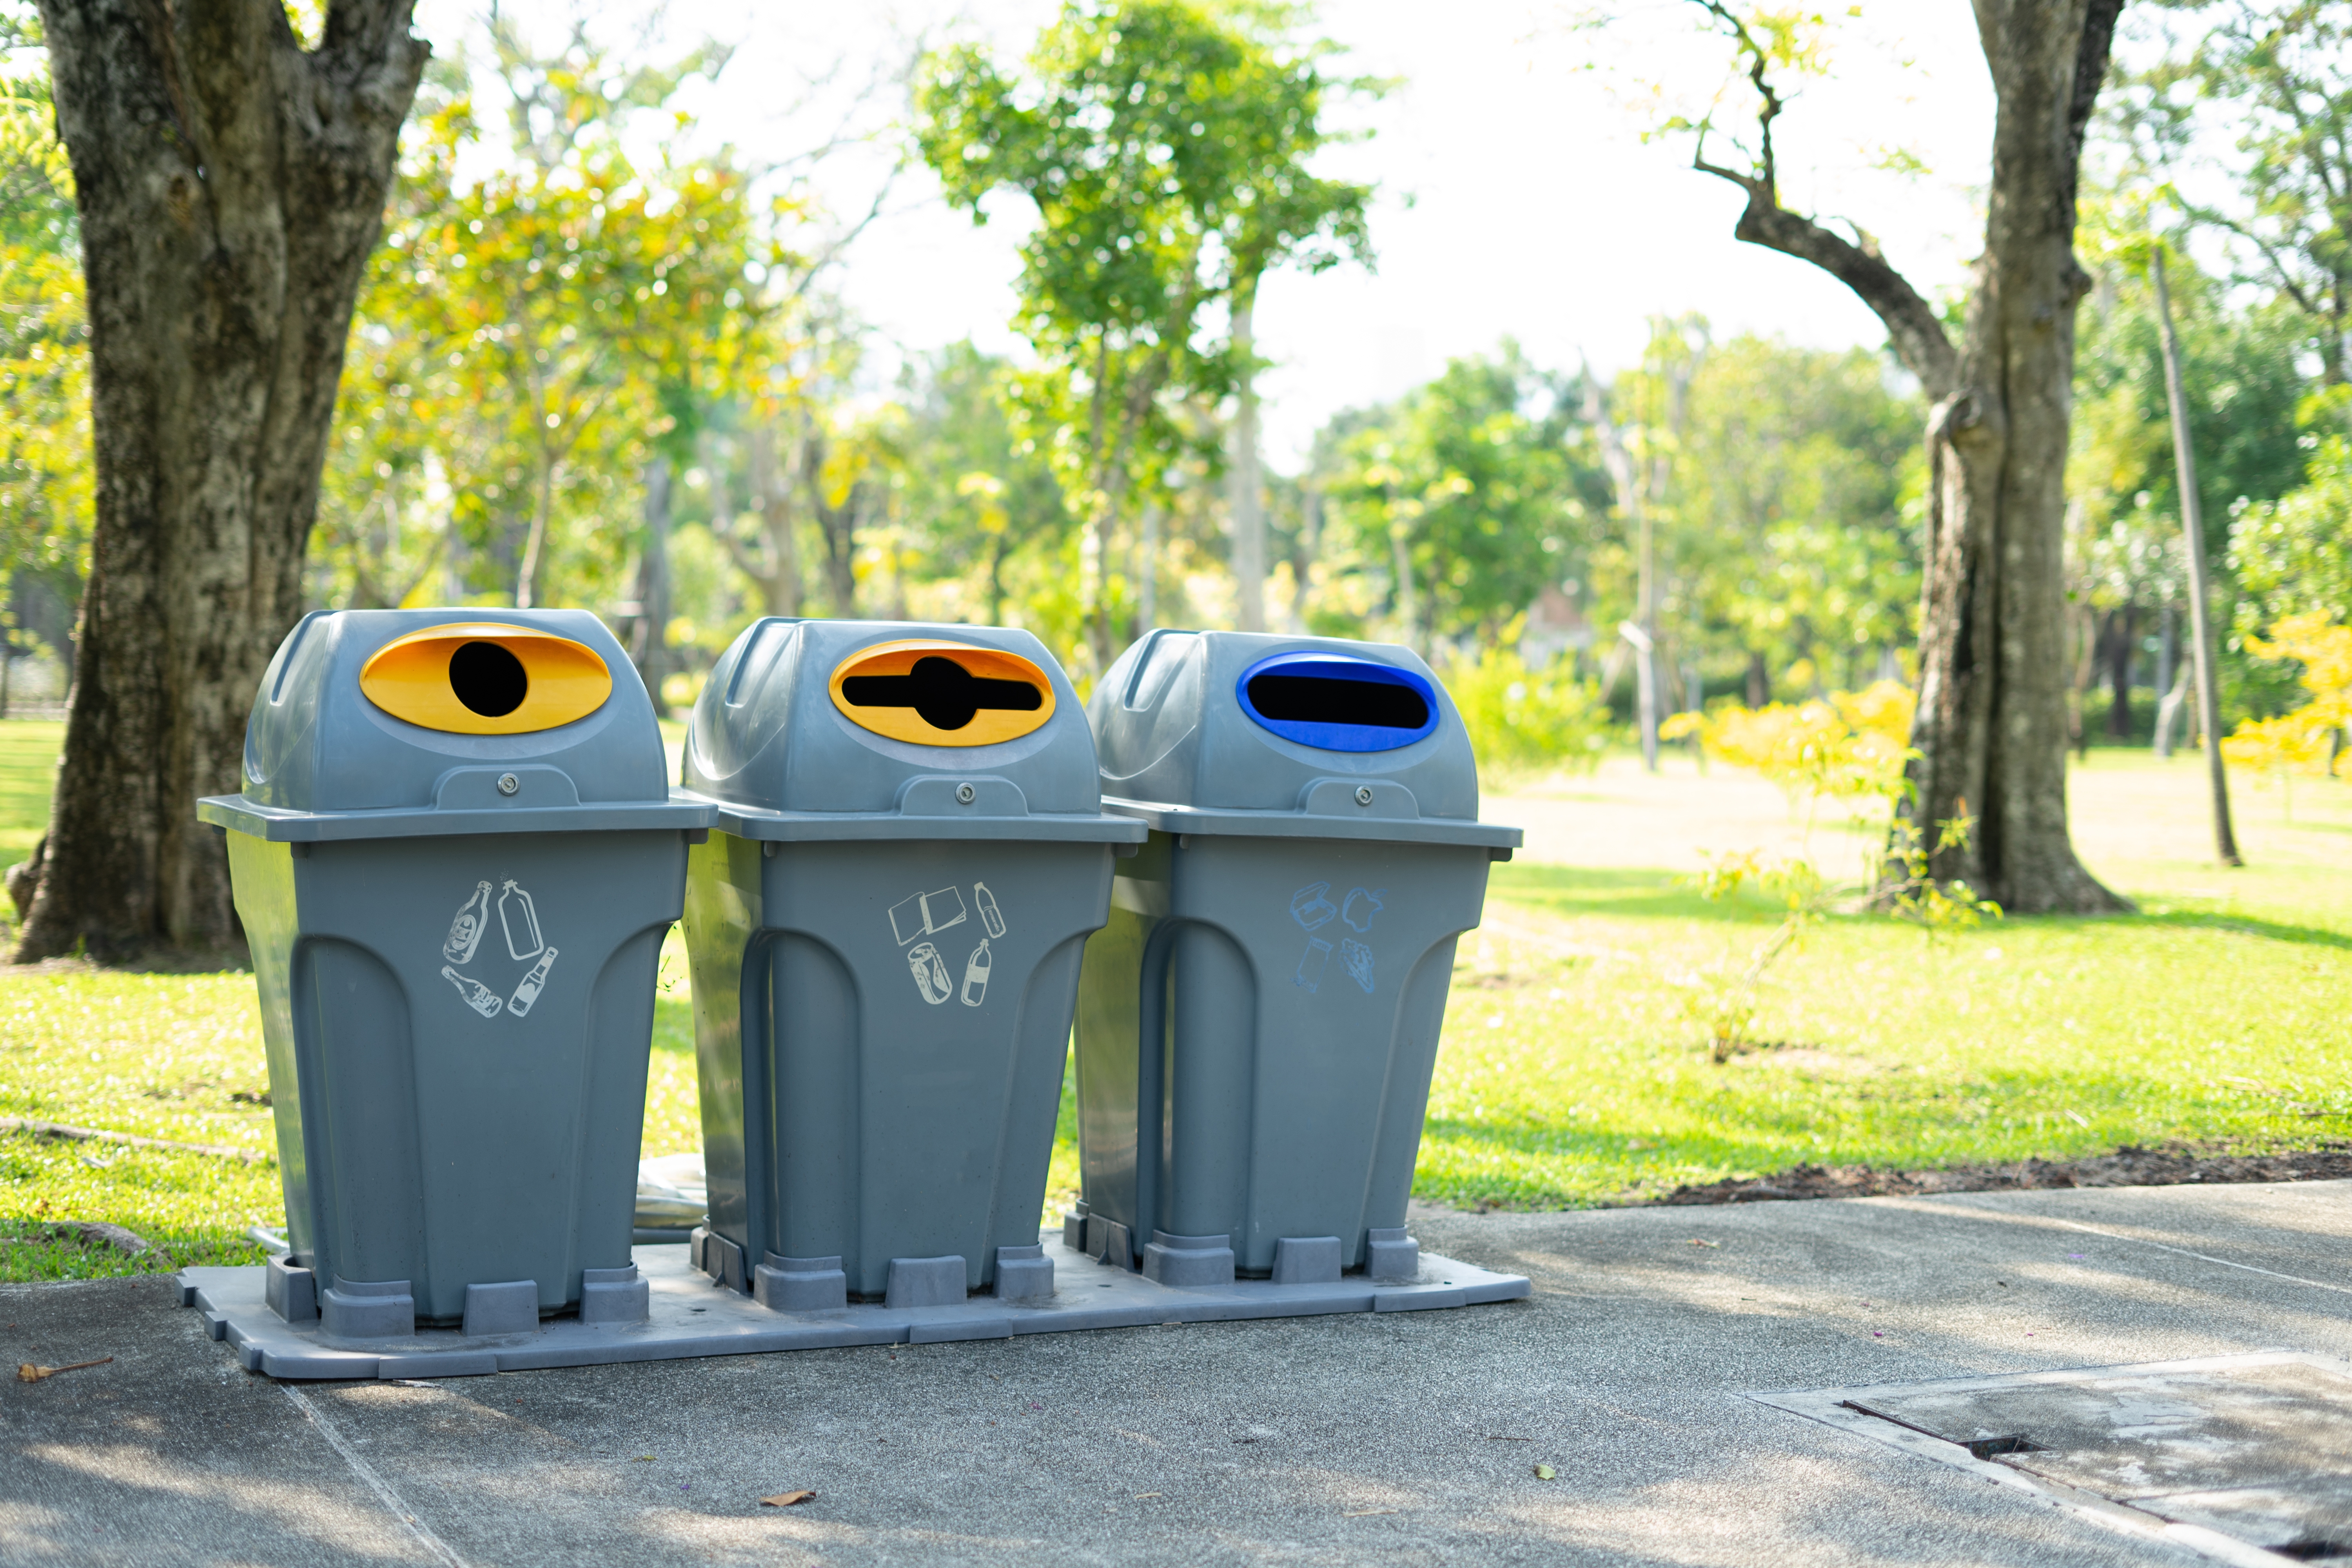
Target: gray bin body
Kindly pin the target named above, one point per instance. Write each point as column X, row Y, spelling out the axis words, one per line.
column 425, row 1135
column 873, row 1088
column 1265, row 1000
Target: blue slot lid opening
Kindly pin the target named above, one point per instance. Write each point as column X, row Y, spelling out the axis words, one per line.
column 1338, row 703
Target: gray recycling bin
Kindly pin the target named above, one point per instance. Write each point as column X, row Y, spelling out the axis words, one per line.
column 455, row 856
column 884, row 933
column 1265, row 999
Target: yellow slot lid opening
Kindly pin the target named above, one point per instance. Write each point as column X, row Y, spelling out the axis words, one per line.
column 936, row 692
column 484, row 677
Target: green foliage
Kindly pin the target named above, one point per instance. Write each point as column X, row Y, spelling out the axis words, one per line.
column 1525, row 719
column 1164, row 147
column 1785, row 531
column 2294, row 555
column 526, row 337
column 46, row 476
column 1449, row 510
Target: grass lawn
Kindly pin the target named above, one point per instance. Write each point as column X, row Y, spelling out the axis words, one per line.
column 1571, row 1073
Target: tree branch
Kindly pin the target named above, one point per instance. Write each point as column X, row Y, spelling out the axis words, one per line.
column 1918, row 337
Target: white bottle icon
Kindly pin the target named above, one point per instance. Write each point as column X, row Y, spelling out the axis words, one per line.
column 465, row 931
column 526, row 993
column 990, row 915
column 478, row 996
column 975, row 974
column 519, row 916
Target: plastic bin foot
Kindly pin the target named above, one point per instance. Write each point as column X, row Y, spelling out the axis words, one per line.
column 1074, row 1228
column 368, row 1310
column 924, row 1282
column 1024, row 1274
column 1307, row 1260
column 1391, row 1255
column 806, row 1284
column 723, row 1261
column 1108, row 1241
column 293, row 1291
column 615, row 1296
column 508, row 1306
column 1190, row 1259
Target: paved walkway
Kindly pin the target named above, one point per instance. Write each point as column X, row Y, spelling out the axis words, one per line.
column 1398, row 1439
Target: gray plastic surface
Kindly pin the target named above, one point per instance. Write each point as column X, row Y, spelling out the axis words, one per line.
column 293, row 1290
column 1306, row 1260
column 1390, row 1254
column 689, row 1315
column 884, row 973
column 456, row 997
column 1268, row 993
column 613, row 1295
column 1178, row 753
column 322, row 761
column 509, row 1307
column 1189, row 1260
column 367, row 1310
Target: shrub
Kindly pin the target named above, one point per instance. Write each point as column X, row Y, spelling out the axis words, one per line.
column 1527, row 719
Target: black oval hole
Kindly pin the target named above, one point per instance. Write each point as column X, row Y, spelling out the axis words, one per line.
column 489, row 678
column 1326, row 699
column 943, row 692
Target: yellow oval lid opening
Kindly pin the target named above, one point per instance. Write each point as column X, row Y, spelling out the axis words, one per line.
column 484, row 678
column 941, row 693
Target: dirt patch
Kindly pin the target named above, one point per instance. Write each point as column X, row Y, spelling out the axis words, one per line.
column 2130, row 1166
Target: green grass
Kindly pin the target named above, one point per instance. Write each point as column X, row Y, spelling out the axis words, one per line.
column 1571, row 1072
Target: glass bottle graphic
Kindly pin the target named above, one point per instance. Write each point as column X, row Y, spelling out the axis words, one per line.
column 478, row 996
column 526, row 993
column 519, row 916
column 465, row 931
column 975, row 974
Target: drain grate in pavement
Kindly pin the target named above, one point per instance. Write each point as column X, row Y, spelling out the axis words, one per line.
column 2246, row 1459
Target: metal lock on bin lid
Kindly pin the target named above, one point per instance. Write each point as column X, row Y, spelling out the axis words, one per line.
column 804, row 723
column 385, row 722
column 1253, row 732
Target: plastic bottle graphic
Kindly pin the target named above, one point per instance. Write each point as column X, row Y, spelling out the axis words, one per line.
column 931, row 972
column 478, row 996
column 515, row 906
column 991, row 916
column 465, row 931
column 528, row 992
column 975, row 973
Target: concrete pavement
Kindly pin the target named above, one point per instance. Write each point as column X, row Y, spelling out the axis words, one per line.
column 1398, row 1439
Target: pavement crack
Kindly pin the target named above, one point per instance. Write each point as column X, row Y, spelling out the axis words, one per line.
column 391, row 1500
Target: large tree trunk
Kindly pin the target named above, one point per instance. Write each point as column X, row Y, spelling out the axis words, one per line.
column 231, row 186
column 1991, row 734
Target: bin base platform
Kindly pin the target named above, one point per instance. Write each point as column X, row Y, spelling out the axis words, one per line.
column 693, row 1316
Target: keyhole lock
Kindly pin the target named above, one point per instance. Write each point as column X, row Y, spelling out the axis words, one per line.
column 966, row 793
column 508, row 784
column 1363, row 794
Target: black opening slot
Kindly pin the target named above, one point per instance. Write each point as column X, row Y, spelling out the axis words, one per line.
column 2316, row 1549
column 1331, row 700
column 489, row 678
column 942, row 691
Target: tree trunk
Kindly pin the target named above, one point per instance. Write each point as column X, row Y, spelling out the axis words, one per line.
column 1244, row 486
column 2121, row 655
column 2201, row 619
column 649, row 639
column 1759, row 680
column 231, row 186
column 1990, row 737
column 2166, row 702
column 1146, row 575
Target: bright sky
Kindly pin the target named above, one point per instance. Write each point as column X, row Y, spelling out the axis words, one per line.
column 1517, row 198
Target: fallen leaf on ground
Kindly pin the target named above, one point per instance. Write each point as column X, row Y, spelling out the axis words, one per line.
column 1499, row 1437
column 1141, row 1496
column 786, row 1499
column 1697, row 1242
column 1545, row 1472
column 643, row 1459
column 1365, row 1512
column 27, row 1373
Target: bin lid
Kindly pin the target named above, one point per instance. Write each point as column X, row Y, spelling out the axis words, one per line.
column 397, row 723
column 823, row 729
column 1273, row 736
